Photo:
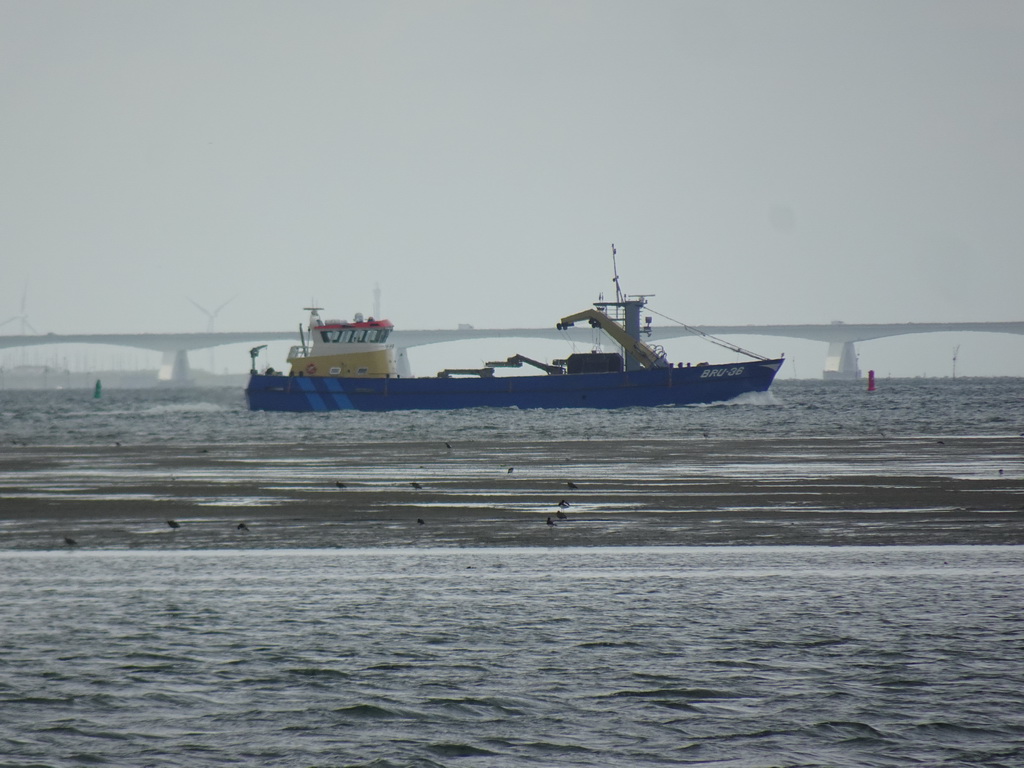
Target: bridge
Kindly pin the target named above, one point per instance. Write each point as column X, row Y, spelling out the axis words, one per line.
column 840, row 359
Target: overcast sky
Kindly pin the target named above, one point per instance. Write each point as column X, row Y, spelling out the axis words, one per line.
column 754, row 162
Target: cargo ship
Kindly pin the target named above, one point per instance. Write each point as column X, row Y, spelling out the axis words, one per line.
column 351, row 365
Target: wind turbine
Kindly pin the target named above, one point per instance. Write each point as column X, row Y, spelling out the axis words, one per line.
column 23, row 317
column 212, row 315
column 209, row 324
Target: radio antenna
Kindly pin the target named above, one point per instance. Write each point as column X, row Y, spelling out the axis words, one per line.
column 615, row 279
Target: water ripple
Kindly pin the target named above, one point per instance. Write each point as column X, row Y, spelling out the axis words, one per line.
column 375, row 658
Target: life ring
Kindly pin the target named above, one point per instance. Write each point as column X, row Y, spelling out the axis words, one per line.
column 311, row 369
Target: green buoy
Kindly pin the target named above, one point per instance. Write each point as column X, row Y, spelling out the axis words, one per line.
column 98, row 390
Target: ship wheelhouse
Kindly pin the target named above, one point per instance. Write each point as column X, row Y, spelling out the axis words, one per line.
column 347, row 349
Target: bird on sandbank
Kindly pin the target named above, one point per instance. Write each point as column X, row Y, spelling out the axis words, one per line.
column 510, row 470
column 563, row 504
column 448, row 446
column 551, row 522
column 419, row 521
column 561, row 515
column 339, row 484
column 572, row 486
column 242, row 527
column 70, row 542
column 174, row 524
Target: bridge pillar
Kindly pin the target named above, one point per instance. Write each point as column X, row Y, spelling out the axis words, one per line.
column 841, row 362
column 174, row 367
column 402, row 362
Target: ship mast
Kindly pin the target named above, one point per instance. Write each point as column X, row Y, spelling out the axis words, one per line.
column 314, row 320
column 626, row 312
column 615, row 277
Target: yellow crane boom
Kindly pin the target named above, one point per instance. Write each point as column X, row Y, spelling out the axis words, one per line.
column 646, row 355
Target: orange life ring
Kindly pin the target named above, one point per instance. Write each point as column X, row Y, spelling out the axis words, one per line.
column 311, row 369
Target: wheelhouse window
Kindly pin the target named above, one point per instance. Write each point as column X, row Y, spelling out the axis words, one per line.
column 356, row 336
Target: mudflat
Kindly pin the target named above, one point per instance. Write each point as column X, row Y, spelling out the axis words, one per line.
column 794, row 491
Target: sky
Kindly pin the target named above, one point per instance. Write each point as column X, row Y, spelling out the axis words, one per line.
column 753, row 162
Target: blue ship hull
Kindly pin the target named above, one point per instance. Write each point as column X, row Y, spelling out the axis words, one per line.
column 660, row 386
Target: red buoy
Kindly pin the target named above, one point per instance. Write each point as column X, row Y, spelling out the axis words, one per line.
column 871, row 381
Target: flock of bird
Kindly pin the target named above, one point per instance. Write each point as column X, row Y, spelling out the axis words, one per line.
column 172, row 524
column 560, row 513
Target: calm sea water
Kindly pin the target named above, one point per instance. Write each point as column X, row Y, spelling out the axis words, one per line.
column 501, row 656
column 899, row 407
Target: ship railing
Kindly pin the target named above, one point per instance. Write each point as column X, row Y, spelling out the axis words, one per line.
column 617, row 313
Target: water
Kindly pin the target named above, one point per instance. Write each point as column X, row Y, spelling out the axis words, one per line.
column 410, row 647
column 903, row 407
column 506, row 657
